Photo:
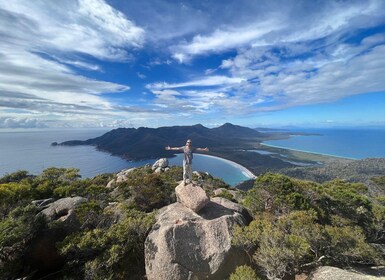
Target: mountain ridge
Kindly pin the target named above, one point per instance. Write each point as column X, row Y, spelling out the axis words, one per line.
column 145, row 143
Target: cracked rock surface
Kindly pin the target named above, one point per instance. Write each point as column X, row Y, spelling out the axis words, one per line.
column 188, row 245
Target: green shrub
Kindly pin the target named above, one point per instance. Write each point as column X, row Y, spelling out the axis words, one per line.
column 16, row 231
column 147, row 191
column 116, row 252
column 244, row 272
column 276, row 193
column 13, row 195
column 347, row 245
column 226, row 194
column 15, row 177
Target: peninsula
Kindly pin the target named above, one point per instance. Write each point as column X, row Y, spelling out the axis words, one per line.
column 228, row 141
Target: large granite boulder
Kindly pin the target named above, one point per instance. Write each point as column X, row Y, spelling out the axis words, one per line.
column 191, row 196
column 329, row 272
column 184, row 244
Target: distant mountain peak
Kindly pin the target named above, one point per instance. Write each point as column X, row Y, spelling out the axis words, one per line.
column 228, row 124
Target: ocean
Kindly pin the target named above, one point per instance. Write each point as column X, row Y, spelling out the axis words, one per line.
column 32, row 151
column 347, row 143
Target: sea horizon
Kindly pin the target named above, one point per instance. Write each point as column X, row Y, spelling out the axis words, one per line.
column 31, row 150
column 349, row 143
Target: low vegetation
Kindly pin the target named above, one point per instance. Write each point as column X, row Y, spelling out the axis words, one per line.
column 300, row 224
column 297, row 224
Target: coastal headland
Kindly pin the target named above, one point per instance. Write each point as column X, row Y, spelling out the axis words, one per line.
column 241, row 145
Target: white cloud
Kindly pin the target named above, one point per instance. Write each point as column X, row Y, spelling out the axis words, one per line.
column 41, row 40
column 208, row 81
column 273, row 25
column 345, row 71
column 141, row 75
column 21, row 123
column 222, row 40
column 85, row 26
column 79, row 64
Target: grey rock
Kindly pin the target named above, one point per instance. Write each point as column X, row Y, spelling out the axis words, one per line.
column 42, row 203
column 115, row 193
column 126, row 171
column 160, row 163
column 329, row 272
column 191, row 196
column 62, row 209
column 121, row 178
column 158, row 170
column 188, row 245
column 233, row 206
column 42, row 254
column 111, row 184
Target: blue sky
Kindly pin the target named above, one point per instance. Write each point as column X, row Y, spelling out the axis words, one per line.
column 95, row 63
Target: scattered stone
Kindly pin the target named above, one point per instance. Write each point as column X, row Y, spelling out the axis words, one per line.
column 120, row 177
column 160, row 165
column 191, row 196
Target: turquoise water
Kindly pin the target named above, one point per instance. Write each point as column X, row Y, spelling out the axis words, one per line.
column 32, row 151
column 349, row 143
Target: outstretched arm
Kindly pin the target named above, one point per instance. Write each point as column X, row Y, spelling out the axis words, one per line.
column 168, row 148
column 203, row 149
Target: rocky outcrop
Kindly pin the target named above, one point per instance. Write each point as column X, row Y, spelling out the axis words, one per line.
column 42, row 253
column 184, row 244
column 328, row 272
column 120, row 177
column 63, row 210
column 191, row 196
column 160, row 165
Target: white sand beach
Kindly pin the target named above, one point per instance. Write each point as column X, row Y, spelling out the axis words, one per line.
column 244, row 170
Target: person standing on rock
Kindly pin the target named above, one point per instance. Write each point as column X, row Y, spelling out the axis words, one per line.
column 188, row 150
